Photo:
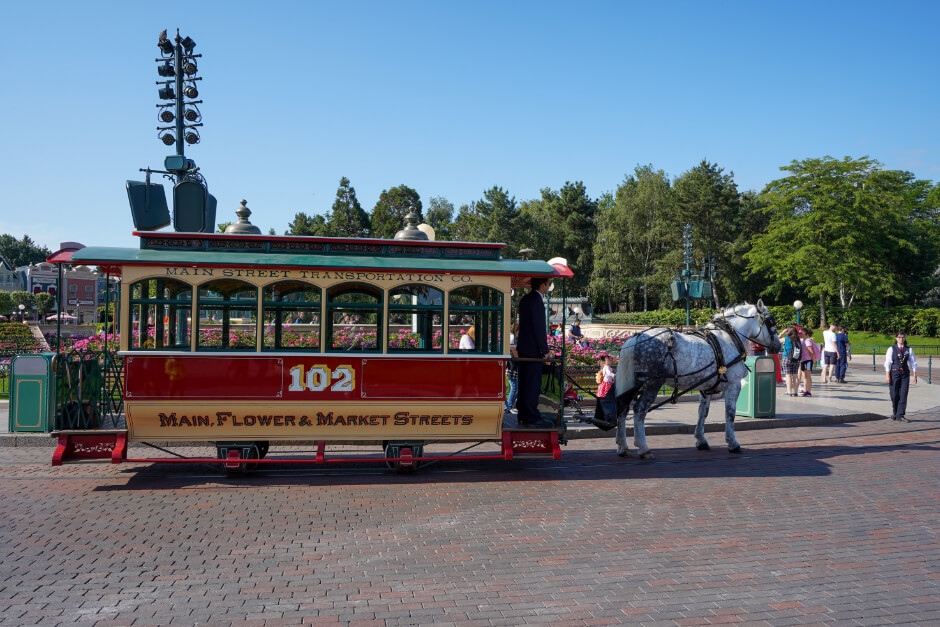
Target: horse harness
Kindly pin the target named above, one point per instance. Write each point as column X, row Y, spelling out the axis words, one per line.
column 721, row 368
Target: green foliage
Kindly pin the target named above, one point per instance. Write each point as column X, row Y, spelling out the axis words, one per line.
column 573, row 212
column 440, row 216
column 837, row 228
column 6, row 303
column 637, row 241
column 494, row 218
column 21, row 252
column 22, row 298
column 16, row 338
column 709, row 201
column 888, row 320
column 44, row 303
column 308, row 225
column 348, row 218
column 15, row 331
column 388, row 215
column 221, row 226
column 660, row 317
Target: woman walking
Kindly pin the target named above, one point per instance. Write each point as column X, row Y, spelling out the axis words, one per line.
column 792, row 356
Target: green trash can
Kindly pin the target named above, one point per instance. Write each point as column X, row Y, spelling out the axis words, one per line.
column 31, row 392
column 758, row 398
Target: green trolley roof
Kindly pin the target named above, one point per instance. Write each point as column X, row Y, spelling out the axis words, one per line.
column 110, row 256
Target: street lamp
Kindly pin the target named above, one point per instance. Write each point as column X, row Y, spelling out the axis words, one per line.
column 798, row 305
column 22, row 308
column 643, row 289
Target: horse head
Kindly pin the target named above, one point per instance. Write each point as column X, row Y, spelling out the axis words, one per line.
column 754, row 322
column 768, row 328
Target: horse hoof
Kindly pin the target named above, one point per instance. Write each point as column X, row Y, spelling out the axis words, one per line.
column 647, row 455
column 703, row 446
column 623, row 452
column 736, row 450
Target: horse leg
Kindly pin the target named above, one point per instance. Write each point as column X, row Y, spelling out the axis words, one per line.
column 622, row 449
column 639, row 420
column 731, row 402
column 704, row 401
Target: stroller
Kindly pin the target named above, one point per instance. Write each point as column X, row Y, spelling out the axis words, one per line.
column 603, row 416
column 573, row 399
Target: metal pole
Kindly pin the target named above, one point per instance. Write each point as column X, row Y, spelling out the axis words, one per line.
column 58, row 312
column 873, row 368
column 564, row 341
column 178, row 65
column 929, row 367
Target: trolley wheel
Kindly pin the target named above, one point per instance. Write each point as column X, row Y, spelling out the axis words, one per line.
column 262, row 449
column 235, row 454
column 404, row 457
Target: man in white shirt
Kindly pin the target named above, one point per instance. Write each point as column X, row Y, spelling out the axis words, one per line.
column 830, row 354
column 900, row 367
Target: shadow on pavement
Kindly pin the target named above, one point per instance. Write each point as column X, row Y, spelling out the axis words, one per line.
column 594, row 465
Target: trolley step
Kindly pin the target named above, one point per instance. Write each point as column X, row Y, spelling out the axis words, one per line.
column 85, row 446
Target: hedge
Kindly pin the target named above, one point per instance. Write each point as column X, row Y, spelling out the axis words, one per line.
column 912, row 320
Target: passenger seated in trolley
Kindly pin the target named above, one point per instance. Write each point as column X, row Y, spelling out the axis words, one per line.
column 468, row 340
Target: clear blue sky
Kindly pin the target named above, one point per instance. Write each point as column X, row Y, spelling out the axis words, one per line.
column 450, row 98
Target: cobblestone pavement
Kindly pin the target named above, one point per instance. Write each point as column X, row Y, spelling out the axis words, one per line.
column 817, row 525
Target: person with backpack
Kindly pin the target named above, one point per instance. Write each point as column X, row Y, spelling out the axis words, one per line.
column 791, row 358
column 810, row 354
column 900, row 368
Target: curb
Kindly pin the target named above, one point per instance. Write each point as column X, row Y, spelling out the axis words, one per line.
column 752, row 424
column 575, row 431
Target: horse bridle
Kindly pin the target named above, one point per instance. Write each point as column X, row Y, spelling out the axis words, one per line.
column 766, row 320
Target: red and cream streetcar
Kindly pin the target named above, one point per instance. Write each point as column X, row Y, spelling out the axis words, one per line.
column 247, row 340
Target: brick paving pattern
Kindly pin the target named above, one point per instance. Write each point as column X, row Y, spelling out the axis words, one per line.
column 814, row 525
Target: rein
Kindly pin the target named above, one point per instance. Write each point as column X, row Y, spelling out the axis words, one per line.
column 721, row 367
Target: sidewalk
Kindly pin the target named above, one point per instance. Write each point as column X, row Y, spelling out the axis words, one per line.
column 863, row 397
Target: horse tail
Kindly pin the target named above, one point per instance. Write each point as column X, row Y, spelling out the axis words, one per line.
column 626, row 385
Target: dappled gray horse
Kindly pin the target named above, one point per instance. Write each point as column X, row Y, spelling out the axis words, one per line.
column 710, row 359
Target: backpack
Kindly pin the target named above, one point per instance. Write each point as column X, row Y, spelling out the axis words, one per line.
column 817, row 351
column 796, row 350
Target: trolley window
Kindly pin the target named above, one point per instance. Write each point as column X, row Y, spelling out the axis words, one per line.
column 291, row 315
column 475, row 320
column 161, row 314
column 228, row 315
column 415, row 319
column 353, row 313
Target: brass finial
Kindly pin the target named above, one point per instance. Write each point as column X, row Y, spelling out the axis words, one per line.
column 411, row 230
column 243, row 226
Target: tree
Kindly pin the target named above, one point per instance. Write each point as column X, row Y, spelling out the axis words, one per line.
column 572, row 213
column 440, row 217
column 739, row 285
column 388, row 215
column 834, row 226
column 709, row 201
column 21, row 252
column 44, row 303
column 6, row 303
column 498, row 216
column 493, row 218
column 22, row 298
column 638, row 240
column 308, row 225
column 348, row 218
column 221, row 226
